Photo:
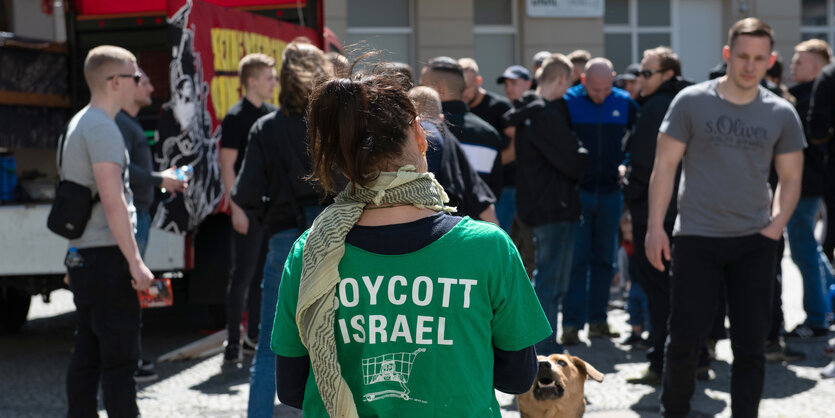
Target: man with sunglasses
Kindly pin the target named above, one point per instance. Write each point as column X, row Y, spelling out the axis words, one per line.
column 105, row 280
column 661, row 80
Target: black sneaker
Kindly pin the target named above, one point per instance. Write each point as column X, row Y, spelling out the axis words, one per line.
column 778, row 352
column 705, row 373
column 146, row 365
column 804, row 333
column 248, row 346
column 144, row 376
column 232, row 354
column 636, row 342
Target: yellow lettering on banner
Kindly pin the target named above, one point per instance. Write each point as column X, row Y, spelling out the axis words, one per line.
column 225, row 92
column 228, row 47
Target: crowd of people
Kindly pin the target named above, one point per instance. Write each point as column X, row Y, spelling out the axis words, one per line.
column 359, row 252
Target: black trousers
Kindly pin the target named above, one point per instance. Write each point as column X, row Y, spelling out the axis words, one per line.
column 656, row 285
column 245, row 282
column 106, row 336
column 700, row 266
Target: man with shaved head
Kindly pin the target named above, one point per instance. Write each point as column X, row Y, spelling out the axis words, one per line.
column 601, row 115
column 104, row 283
column 481, row 142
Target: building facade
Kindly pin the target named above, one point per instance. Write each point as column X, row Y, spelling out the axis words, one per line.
column 499, row 33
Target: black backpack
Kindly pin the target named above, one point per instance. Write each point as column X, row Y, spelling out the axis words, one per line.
column 73, row 202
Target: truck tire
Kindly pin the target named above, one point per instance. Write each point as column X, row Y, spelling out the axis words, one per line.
column 14, row 308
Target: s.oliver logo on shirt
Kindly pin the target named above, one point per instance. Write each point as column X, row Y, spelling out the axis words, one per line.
column 735, row 133
column 413, row 329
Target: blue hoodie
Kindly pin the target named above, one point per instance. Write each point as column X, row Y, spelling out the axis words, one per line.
column 601, row 129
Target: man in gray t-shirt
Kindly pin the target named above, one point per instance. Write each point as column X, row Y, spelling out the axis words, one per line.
column 105, row 269
column 726, row 133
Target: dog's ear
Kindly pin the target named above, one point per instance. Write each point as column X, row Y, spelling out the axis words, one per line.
column 587, row 369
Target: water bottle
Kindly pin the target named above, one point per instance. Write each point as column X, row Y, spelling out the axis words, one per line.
column 184, row 173
column 74, row 259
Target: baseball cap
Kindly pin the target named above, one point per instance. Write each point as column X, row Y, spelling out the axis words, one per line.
column 631, row 72
column 514, row 72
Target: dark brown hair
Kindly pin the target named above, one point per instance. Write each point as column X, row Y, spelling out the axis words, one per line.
column 750, row 26
column 357, row 126
column 301, row 65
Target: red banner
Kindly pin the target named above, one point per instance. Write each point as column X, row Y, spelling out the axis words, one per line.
column 207, row 42
column 106, row 7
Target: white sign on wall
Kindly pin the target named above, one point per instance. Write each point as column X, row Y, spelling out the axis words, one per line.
column 565, row 8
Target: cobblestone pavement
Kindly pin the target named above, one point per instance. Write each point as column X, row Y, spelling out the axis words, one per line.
column 33, row 366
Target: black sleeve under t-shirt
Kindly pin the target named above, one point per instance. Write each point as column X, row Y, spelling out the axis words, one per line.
column 513, row 370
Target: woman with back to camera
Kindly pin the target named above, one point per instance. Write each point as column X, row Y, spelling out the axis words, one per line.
column 389, row 306
column 271, row 187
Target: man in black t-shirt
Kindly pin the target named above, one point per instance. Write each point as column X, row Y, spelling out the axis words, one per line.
column 490, row 107
column 480, row 141
column 258, row 76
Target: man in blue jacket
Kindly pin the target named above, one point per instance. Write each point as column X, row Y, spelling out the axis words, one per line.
column 601, row 116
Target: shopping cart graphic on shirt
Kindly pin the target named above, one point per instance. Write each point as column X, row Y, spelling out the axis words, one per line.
column 394, row 368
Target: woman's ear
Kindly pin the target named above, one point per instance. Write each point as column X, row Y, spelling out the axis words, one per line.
column 420, row 136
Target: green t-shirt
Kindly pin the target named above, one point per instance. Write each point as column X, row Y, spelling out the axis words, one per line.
column 415, row 332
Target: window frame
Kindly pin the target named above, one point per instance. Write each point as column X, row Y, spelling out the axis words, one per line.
column 391, row 30
column 829, row 29
column 634, row 31
column 511, row 29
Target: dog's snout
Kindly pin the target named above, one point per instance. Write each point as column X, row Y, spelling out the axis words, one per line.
column 544, row 364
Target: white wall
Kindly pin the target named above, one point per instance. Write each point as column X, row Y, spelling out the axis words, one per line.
column 698, row 34
column 29, row 21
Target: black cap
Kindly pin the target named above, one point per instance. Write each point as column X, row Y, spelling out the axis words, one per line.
column 514, row 72
column 631, row 72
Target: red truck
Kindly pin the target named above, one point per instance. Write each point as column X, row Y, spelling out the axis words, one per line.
column 42, row 85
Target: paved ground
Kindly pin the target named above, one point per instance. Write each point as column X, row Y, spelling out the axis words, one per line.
column 33, row 364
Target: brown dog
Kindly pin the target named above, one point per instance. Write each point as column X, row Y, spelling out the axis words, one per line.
column 558, row 389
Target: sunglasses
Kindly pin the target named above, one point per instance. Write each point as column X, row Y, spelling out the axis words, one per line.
column 136, row 77
column 649, row 73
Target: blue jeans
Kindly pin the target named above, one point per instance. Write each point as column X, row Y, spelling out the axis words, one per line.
column 593, row 267
column 809, row 258
column 637, row 306
column 554, row 245
column 262, row 372
column 143, row 229
column 506, row 208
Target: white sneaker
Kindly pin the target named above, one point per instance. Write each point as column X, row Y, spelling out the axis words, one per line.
column 828, row 371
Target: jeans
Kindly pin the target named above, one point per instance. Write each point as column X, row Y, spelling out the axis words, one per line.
column 809, row 258
column 506, row 208
column 244, row 283
column 700, row 266
column 637, row 306
column 594, row 265
column 143, row 229
column 554, row 245
column 262, row 372
column 656, row 285
column 106, row 335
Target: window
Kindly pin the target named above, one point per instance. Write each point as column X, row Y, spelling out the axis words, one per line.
column 384, row 25
column 5, row 15
column 494, row 30
column 632, row 26
column 816, row 20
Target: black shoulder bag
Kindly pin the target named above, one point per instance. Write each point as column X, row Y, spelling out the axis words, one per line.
column 73, row 202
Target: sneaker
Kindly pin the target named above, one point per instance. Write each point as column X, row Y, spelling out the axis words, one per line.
column 569, row 336
column 704, row 374
column 648, row 377
column 828, row 371
column 602, row 330
column 144, row 376
column 248, row 346
column 636, row 342
column 146, row 365
column 807, row 333
column 778, row 352
column 232, row 354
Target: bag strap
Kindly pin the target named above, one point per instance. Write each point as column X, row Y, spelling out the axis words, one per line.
column 61, row 141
